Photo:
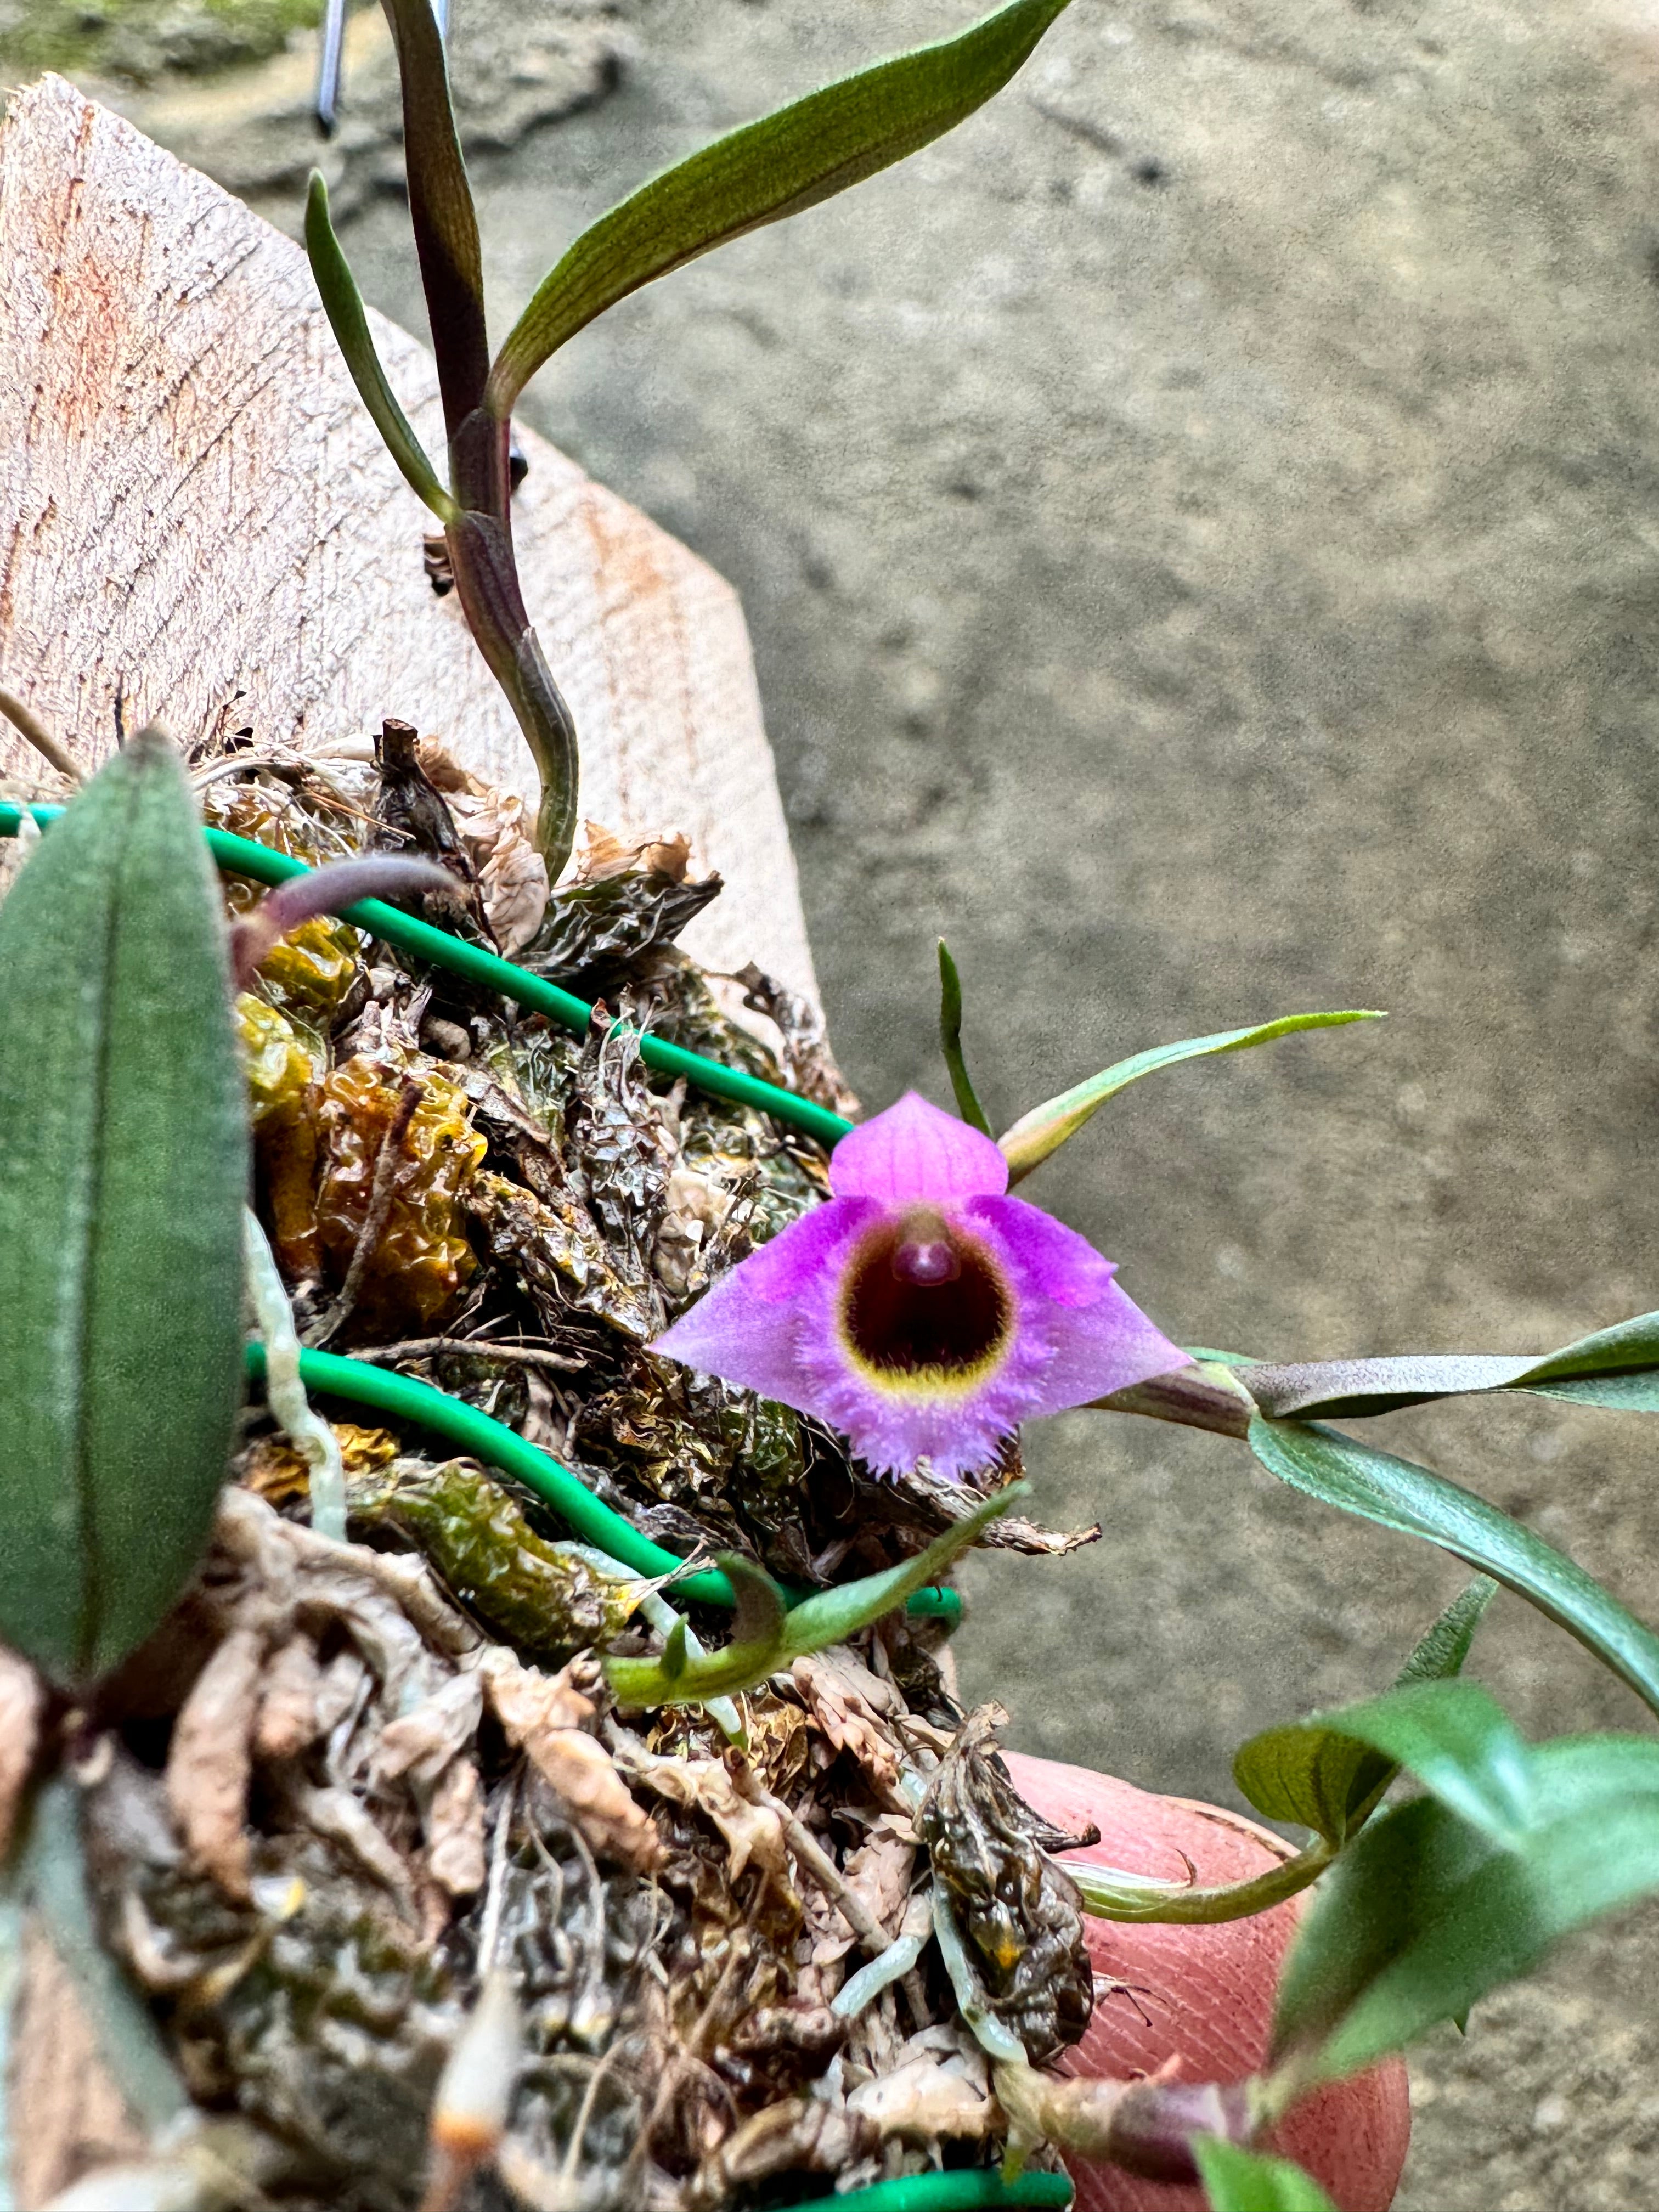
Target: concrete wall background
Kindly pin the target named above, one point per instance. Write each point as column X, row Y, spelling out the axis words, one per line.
column 1199, row 531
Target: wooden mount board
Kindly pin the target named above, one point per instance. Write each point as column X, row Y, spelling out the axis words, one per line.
column 198, row 516
column 196, row 513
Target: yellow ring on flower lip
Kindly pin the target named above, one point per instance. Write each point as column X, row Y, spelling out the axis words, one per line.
column 929, row 1381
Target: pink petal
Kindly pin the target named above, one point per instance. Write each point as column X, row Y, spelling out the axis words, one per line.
column 913, row 1155
column 1051, row 1259
column 1100, row 1348
column 1098, row 1339
column 746, row 1328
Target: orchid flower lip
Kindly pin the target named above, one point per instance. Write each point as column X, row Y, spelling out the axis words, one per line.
column 922, row 1311
column 925, row 1319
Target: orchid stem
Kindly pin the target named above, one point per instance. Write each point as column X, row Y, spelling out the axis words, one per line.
column 1198, row 1908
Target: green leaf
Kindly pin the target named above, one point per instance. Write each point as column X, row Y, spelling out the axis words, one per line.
column 1046, row 1127
column 766, row 1638
column 950, row 1037
column 124, row 1170
column 1399, row 1495
column 1425, row 1914
column 343, row 306
column 776, row 167
column 757, row 1618
column 1439, row 1654
column 1460, row 1743
column 1328, row 1778
column 1616, row 1367
column 441, row 208
column 1246, row 2181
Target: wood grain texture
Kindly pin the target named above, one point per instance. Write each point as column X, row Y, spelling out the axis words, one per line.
column 196, row 513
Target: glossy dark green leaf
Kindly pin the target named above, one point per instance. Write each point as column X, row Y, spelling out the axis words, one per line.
column 124, row 1170
column 765, row 1637
column 1329, row 1778
column 1047, row 1127
column 950, row 1037
column 1424, row 1914
column 1237, row 2180
column 343, row 304
column 1398, row 1494
column 776, row 167
column 441, row 208
column 1616, row 1367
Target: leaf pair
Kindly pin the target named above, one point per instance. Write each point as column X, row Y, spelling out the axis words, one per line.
column 1325, row 1778
column 766, row 1634
column 1047, row 1127
column 1310, row 1773
column 774, row 168
column 1442, row 1899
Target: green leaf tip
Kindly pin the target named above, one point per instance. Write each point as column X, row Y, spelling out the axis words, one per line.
column 123, row 1177
column 1237, row 2180
column 1616, row 1368
column 776, row 167
column 343, row 303
column 1324, row 1775
column 950, row 1037
column 1398, row 1494
column 1445, row 1898
column 1046, row 1127
column 766, row 1637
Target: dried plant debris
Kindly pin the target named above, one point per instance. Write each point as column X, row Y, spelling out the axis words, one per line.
column 348, row 1784
column 624, row 903
column 365, row 1802
column 413, row 817
column 809, row 1065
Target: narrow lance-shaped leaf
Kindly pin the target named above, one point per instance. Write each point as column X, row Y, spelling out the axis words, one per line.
column 1047, row 1127
column 446, row 224
column 776, row 167
column 1237, row 2180
column 1428, row 1911
column 123, row 1173
column 1616, row 1367
column 950, row 1037
column 766, row 1637
column 1326, row 1778
column 1398, row 1494
column 343, row 306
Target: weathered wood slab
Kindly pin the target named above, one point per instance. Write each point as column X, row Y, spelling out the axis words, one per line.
column 196, row 513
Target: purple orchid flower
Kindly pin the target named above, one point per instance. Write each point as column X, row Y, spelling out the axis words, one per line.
column 922, row 1312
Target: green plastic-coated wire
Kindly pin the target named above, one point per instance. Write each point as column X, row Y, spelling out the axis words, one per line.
column 406, row 1398
column 242, row 857
column 963, row 2192
column 419, row 1402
